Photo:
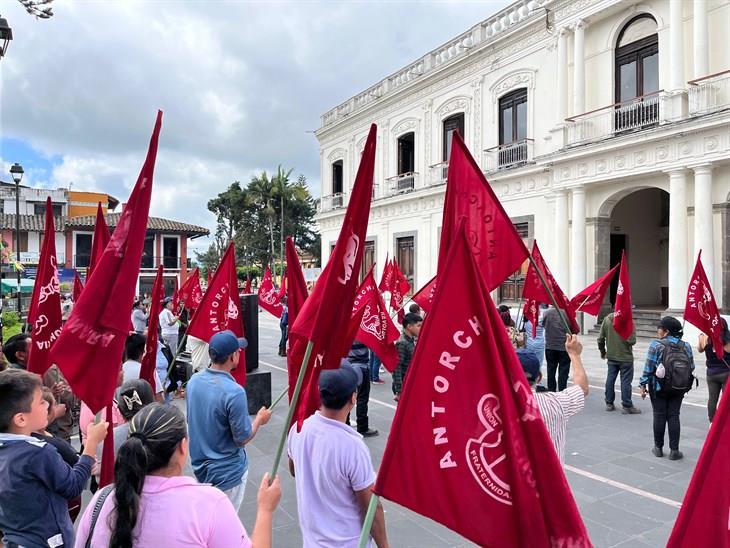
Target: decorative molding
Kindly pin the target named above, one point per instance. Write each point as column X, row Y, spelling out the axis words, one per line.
column 513, row 80
column 404, row 126
column 337, row 154
column 460, row 103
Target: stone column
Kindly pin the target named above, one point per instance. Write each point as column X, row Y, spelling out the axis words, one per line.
column 579, row 69
column 704, row 238
column 562, row 72
column 560, row 269
column 578, row 241
column 678, row 259
column 676, row 46
column 699, row 37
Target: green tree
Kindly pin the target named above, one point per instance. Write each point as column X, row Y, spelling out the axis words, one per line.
column 261, row 190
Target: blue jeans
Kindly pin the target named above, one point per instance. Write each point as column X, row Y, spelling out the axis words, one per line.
column 626, row 369
column 374, row 367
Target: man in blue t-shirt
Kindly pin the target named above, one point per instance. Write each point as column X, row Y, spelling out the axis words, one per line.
column 218, row 421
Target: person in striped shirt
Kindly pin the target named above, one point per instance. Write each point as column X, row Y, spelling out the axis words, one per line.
column 557, row 407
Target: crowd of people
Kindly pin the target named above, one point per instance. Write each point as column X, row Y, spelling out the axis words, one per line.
column 43, row 471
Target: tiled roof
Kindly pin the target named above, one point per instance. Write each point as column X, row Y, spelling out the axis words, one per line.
column 36, row 223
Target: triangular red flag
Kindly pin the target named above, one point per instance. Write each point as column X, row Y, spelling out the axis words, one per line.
column 220, row 308
column 591, row 298
column 372, row 323
column 89, row 350
column 297, row 294
column 623, row 320
column 700, row 308
column 78, row 286
column 329, row 306
column 497, row 248
column 386, row 281
column 282, row 289
column 44, row 316
column 476, row 460
column 175, row 297
column 424, row 297
column 190, row 293
column 106, row 474
column 398, row 291
column 149, row 358
column 269, row 298
column 100, row 241
column 247, row 287
column 705, row 513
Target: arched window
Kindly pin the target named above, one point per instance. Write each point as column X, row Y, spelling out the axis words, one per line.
column 451, row 124
column 637, row 59
column 337, row 177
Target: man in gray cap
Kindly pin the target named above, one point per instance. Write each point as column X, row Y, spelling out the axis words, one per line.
column 333, row 469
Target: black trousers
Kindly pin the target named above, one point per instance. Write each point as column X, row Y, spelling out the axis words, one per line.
column 666, row 416
column 284, row 336
column 363, row 397
column 715, row 384
column 557, row 361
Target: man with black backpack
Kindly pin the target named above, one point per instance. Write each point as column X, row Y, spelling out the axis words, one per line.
column 668, row 376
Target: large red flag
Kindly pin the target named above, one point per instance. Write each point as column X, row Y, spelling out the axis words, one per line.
column 295, row 301
column 623, row 319
column 100, row 241
column 78, row 286
column 424, row 297
column 386, row 281
column 591, row 298
column 372, row 324
column 468, row 447
column 269, row 298
column 220, row 308
column 44, row 316
column 497, row 248
column 282, row 289
column 700, row 308
column 704, row 518
column 327, row 310
column 190, row 293
column 89, row 350
column 398, row 291
column 149, row 358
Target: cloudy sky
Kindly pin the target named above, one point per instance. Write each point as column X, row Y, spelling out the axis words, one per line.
column 242, row 85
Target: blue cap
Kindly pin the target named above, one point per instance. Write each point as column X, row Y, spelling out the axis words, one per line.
column 342, row 382
column 530, row 364
column 224, row 344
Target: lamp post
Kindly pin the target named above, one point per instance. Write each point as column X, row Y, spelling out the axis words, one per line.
column 17, row 173
column 6, row 34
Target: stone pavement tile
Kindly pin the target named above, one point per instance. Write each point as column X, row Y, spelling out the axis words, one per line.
column 655, row 468
column 589, row 489
column 406, row 533
column 670, row 489
column 650, row 508
column 659, row 535
column 580, row 460
column 602, row 536
column 620, row 519
column 635, row 542
column 624, row 475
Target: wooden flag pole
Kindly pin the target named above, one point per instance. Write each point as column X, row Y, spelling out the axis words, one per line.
column 279, row 398
column 367, row 525
column 292, row 407
column 550, row 293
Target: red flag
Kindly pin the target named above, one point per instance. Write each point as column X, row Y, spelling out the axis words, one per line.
column 623, row 320
column 44, row 315
column 149, row 358
column 220, row 308
column 175, row 297
column 591, row 298
column 700, row 308
column 372, row 324
column 100, row 241
column 424, row 297
column 386, row 281
column 106, row 474
column 534, row 292
column 190, row 293
column 247, row 287
column 703, row 517
column 269, row 299
column 89, row 350
column 329, row 306
column 398, row 291
column 282, row 289
column 468, row 447
column 78, row 286
column 295, row 301
column 497, row 248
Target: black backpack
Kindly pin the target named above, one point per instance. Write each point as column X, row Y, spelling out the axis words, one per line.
column 678, row 377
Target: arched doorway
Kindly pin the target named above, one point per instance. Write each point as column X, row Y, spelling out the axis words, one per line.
column 638, row 222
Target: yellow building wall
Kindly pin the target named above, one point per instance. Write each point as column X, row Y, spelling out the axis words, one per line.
column 85, row 203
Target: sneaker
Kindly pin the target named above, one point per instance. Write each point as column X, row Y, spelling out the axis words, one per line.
column 369, row 433
column 657, row 451
column 610, row 407
column 631, row 411
column 378, row 382
column 675, row 454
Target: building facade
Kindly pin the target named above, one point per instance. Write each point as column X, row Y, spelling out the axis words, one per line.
column 602, row 125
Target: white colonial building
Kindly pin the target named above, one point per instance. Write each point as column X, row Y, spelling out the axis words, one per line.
column 602, row 125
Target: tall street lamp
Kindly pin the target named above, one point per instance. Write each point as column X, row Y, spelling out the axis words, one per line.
column 17, row 173
column 6, row 34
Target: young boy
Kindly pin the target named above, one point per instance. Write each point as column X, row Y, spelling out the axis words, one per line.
column 35, row 482
column 406, row 346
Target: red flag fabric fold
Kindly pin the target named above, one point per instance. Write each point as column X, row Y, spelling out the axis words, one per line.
column 497, row 248
column 623, row 319
column 247, row 287
column 468, row 447
column 100, row 241
column 190, row 293
column 700, row 308
column 175, row 297
column 269, row 298
column 220, row 308
column 295, row 301
column 89, row 350
column 386, row 281
column 398, row 291
column 149, row 358
column 44, row 316
column 424, row 296
column 282, row 289
column 106, row 474
column 78, row 286
column 591, row 298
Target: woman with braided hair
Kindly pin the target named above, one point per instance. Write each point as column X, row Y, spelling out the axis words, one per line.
column 151, row 499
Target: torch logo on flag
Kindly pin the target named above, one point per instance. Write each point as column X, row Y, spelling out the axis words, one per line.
column 348, row 260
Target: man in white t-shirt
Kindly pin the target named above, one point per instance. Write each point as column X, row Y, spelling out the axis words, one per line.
column 168, row 325
column 333, row 469
column 133, row 351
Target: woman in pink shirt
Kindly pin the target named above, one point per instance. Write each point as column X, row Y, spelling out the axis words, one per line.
column 152, row 499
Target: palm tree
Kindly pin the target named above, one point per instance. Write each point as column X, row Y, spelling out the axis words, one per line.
column 261, row 189
column 283, row 190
